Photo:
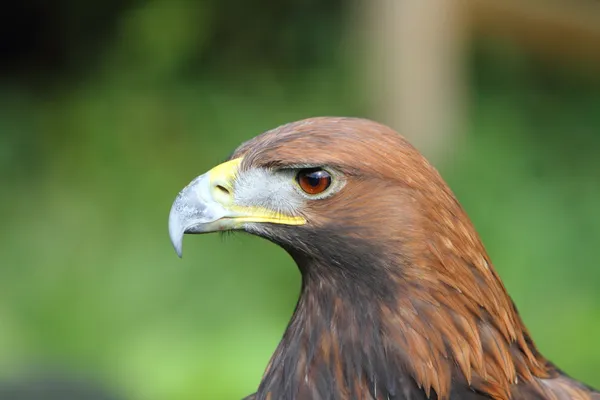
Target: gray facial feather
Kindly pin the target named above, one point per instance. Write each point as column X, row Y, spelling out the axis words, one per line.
column 273, row 190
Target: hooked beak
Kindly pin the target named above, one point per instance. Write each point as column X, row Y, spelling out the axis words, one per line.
column 207, row 204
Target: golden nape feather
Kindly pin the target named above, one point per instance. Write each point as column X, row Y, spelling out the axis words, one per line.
column 399, row 298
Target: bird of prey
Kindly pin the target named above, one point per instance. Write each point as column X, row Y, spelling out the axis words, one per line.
column 399, row 298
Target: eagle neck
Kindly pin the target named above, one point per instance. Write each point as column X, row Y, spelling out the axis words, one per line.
column 333, row 346
column 371, row 330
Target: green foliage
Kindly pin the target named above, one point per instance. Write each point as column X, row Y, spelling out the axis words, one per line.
column 90, row 168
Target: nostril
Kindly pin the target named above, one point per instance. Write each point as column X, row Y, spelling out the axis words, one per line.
column 223, row 190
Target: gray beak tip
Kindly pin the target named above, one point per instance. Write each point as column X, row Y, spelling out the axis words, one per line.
column 193, row 211
column 176, row 231
column 177, row 242
column 178, row 249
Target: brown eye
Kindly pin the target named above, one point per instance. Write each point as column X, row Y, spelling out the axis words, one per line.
column 314, row 180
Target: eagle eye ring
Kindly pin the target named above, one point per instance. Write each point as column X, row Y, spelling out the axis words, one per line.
column 313, row 181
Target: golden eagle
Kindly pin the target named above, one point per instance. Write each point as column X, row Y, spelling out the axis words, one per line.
column 399, row 298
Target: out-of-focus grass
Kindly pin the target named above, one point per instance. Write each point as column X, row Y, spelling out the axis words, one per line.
column 89, row 276
column 89, row 280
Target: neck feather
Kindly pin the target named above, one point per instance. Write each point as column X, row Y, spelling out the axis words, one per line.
column 332, row 347
column 403, row 337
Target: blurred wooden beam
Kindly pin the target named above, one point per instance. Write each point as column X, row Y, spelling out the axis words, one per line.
column 415, row 55
column 567, row 30
column 415, row 72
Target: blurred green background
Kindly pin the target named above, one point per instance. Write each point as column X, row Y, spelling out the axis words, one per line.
column 107, row 109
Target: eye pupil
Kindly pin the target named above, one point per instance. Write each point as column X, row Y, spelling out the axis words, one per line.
column 314, row 180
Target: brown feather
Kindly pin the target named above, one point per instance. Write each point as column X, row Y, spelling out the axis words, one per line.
column 439, row 315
